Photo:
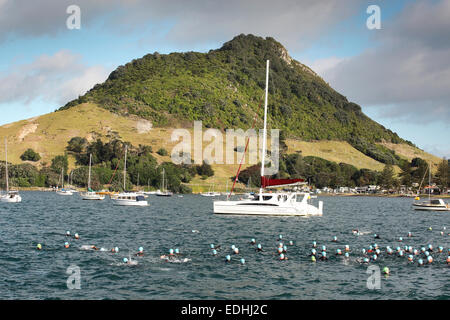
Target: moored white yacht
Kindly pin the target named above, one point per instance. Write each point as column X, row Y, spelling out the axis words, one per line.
column 89, row 194
column 430, row 204
column 266, row 203
column 62, row 191
column 164, row 192
column 128, row 198
column 11, row 195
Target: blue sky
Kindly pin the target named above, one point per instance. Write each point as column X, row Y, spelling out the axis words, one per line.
column 43, row 64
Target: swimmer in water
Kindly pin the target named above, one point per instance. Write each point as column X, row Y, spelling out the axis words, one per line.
column 228, row 258
column 39, row 246
column 355, row 231
column 66, row 245
column 409, row 234
column 67, row 233
column 76, row 236
column 338, row 252
column 324, row 256
column 283, row 257
column 313, row 252
column 347, row 248
column 448, row 260
column 334, row 239
column 420, row 262
column 376, row 236
column 259, row 247
column 214, row 252
column 314, row 244
column 94, row 247
column 291, row 243
column 253, row 241
column 140, row 252
column 115, row 250
column 313, row 259
column 236, row 251
column 430, row 248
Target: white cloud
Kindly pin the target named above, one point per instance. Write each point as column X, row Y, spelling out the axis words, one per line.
column 56, row 78
column 407, row 74
column 293, row 22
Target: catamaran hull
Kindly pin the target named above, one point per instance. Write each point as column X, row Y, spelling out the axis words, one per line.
column 232, row 208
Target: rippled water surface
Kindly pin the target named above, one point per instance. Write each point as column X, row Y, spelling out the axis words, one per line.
column 44, row 217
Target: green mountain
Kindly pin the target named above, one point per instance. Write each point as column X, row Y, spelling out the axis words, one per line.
column 225, row 87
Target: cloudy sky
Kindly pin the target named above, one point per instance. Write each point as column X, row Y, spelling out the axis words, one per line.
column 399, row 74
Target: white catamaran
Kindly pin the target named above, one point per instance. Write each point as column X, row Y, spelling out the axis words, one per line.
column 266, row 203
column 90, row 194
column 11, row 195
column 128, row 198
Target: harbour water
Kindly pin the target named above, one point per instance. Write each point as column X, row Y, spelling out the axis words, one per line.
column 188, row 224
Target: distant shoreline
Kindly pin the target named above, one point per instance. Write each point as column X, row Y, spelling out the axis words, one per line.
column 422, row 196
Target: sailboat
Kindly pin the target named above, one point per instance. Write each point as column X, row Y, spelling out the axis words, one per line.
column 210, row 193
column 163, row 192
column 128, row 198
column 11, row 195
column 267, row 203
column 90, row 194
column 430, row 204
column 62, row 191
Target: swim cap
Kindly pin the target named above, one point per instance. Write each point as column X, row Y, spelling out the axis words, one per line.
column 338, row 251
column 281, row 244
column 334, row 238
column 324, row 254
column 141, row 249
column 430, row 259
column 228, row 258
column 363, row 251
column 280, row 250
column 259, row 245
column 284, row 248
column 347, row 255
column 314, row 244
column 281, row 256
column 291, row 243
column 280, row 236
column 313, row 259
column 427, row 253
column 125, row 260
column 324, row 248
column 420, row 261
column 211, row 246
column 400, row 253
column 386, row 270
column 374, row 257
column 253, row 241
column 448, row 259
column 236, row 250
column 400, row 239
column 68, row 233
column 214, row 252
column 410, row 258
column 177, row 250
column 347, row 247
column 242, row 261
column 66, row 244
column 39, row 246
column 440, row 249
column 232, row 247
column 171, row 251
column 366, row 260
column 116, row 249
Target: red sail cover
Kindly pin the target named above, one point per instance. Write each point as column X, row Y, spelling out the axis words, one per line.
column 266, row 182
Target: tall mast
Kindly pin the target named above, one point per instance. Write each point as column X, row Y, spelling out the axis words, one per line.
column 89, row 179
column 6, row 166
column 263, row 152
column 429, row 182
column 125, row 168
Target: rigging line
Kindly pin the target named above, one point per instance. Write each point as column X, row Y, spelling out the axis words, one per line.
column 243, row 155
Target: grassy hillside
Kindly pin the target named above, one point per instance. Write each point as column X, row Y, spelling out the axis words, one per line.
column 48, row 135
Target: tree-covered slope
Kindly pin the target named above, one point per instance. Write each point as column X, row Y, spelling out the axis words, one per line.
column 225, row 87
